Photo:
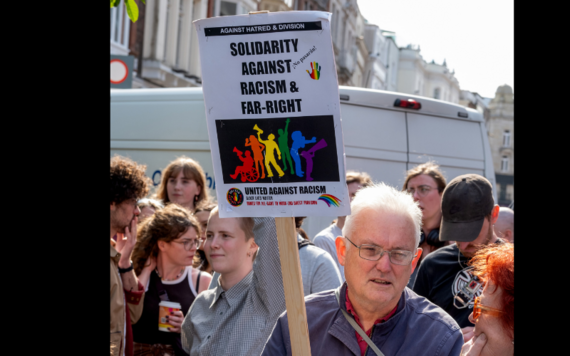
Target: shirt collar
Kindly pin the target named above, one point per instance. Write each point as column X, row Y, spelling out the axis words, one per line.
column 351, row 310
column 234, row 294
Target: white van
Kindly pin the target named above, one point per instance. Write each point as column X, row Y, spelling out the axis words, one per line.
column 381, row 136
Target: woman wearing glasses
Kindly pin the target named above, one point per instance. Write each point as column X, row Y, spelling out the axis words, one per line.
column 425, row 183
column 493, row 312
column 167, row 243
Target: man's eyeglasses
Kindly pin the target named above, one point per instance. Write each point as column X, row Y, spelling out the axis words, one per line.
column 374, row 253
column 423, row 190
column 478, row 307
column 189, row 244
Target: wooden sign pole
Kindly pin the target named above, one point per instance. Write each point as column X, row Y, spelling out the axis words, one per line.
column 293, row 286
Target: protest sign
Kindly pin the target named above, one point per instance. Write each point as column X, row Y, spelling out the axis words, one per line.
column 273, row 111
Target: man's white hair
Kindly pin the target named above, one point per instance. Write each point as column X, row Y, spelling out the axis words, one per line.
column 506, row 220
column 384, row 198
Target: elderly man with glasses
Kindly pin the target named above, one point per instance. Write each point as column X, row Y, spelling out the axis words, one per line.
column 373, row 312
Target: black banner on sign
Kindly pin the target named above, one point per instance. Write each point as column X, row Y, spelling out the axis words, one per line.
column 283, row 150
column 267, row 28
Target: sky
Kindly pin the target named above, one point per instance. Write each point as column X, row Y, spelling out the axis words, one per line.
column 475, row 38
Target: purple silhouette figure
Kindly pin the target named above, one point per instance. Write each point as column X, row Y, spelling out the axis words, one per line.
column 310, row 153
column 299, row 142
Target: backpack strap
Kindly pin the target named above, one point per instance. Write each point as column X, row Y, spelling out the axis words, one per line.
column 197, row 281
column 304, row 243
column 356, row 326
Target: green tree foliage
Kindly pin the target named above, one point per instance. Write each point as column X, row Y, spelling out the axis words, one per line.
column 132, row 8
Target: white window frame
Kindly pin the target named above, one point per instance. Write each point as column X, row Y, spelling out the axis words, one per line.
column 507, row 138
column 124, row 26
column 241, row 7
column 437, row 93
column 505, row 164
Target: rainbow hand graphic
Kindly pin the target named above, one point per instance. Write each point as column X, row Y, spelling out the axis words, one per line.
column 316, row 71
column 330, row 200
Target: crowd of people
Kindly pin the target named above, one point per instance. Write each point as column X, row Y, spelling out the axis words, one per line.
column 426, row 269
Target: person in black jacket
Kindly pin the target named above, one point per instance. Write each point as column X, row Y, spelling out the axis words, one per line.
column 444, row 277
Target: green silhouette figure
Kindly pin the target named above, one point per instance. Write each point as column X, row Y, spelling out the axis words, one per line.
column 271, row 146
column 284, row 146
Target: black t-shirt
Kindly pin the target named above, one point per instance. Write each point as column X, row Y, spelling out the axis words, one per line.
column 442, row 274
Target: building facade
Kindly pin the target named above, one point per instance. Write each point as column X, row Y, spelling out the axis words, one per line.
column 165, row 46
column 502, row 141
column 416, row 76
column 164, row 41
column 381, row 70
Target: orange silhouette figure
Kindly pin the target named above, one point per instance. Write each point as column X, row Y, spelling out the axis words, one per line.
column 257, row 149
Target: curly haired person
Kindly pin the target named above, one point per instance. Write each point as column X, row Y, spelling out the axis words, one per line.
column 128, row 185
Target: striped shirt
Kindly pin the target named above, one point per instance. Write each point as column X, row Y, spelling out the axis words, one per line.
column 239, row 321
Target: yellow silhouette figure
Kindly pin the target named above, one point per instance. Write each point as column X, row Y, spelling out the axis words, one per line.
column 270, row 146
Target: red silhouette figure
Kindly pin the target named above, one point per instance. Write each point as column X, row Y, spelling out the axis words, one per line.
column 257, row 149
column 247, row 171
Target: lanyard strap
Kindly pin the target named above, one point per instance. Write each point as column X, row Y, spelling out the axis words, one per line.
column 356, row 326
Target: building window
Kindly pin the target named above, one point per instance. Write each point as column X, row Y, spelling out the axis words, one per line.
column 228, row 8
column 507, row 138
column 120, row 27
column 510, row 192
column 437, row 93
column 505, row 164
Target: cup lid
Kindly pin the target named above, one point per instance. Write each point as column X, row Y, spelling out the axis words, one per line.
column 169, row 304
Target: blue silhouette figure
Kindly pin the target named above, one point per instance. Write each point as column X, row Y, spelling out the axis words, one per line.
column 299, row 142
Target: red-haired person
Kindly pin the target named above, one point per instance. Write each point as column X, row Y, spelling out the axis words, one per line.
column 493, row 312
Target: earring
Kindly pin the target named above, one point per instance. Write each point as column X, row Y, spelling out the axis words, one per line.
column 249, row 254
column 195, row 198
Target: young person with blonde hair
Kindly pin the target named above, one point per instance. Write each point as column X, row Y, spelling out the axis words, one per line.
column 236, row 315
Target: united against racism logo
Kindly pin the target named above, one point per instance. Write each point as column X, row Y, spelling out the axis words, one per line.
column 234, row 197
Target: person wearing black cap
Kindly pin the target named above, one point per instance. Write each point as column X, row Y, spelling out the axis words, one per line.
column 468, row 215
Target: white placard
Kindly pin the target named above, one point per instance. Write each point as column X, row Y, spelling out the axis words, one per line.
column 273, row 111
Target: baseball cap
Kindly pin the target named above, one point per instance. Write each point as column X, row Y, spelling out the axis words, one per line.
column 466, row 201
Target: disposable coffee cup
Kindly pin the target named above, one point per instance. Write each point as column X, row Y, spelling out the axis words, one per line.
column 164, row 309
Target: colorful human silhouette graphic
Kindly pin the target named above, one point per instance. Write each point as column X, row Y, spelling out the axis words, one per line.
column 270, row 147
column 247, row 170
column 284, row 146
column 257, row 149
column 310, row 153
column 299, row 142
column 315, row 71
